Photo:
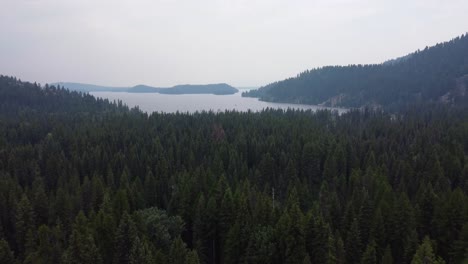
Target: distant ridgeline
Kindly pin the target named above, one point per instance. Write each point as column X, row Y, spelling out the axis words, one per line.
column 218, row 89
column 437, row 74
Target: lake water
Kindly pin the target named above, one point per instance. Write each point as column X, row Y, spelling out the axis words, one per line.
column 154, row 102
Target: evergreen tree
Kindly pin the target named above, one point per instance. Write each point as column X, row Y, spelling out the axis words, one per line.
column 425, row 254
column 369, row 256
column 44, row 251
column 290, row 236
column 317, row 239
column 387, row 257
column 81, row 246
column 104, row 230
column 24, row 224
column 140, row 253
column 6, row 255
column 40, row 202
column 459, row 252
column 353, row 244
column 178, row 252
column 125, row 238
column 192, row 257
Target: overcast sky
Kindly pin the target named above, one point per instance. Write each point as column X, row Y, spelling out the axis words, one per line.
column 240, row 42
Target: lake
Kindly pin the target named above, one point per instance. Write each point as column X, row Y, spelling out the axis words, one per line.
column 155, row 102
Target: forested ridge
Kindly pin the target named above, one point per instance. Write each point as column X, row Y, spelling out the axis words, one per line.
column 85, row 180
column 434, row 74
column 217, row 89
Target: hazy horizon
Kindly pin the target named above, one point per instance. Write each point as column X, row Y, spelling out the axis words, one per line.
column 242, row 43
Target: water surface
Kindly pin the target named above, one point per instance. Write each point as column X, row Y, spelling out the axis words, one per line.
column 155, row 102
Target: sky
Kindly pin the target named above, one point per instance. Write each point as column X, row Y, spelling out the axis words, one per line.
column 239, row 42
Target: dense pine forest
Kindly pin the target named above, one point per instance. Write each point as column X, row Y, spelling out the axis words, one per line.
column 434, row 74
column 85, row 180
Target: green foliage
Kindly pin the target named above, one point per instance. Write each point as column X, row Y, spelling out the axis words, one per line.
column 353, row 245
column 125, row 238
column 178, row 253
column 369, row 256
column 422, row 76
column 387, row 258
column 459, row 251
column 81, row 246
column 140, row 253
column 425, row 254
column 159, row 228
column 6, row 255
column 44, row 252
column 24, row 224
column 83, row 180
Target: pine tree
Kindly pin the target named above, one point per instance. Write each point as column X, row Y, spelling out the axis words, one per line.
column 24, row 224
column 237, row 238
column 290, row 236
column 140, row 253
column 192, row 257
column 104, row 229
column 151, row 189
column 261, row 246
column 200, row 228
column 353, row 244
column 40, row 202
column 43, row 253
column 340, row 254
column 387, row 257
column 125, row 236
column 425, row 254
column 317, row 239
column 178, row 252
column 81, row 246
column 459, row 251
column 369, row 256
column 6, row 255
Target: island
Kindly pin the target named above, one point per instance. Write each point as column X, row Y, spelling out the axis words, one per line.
column 216, row 89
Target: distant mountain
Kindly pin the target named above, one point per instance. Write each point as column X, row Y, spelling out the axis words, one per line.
column 142, row 89
column 436, row 74
column 218, row 89
column 83, row 87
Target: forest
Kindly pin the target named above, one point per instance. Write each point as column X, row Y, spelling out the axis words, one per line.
column 85, row 180
column 434, row 74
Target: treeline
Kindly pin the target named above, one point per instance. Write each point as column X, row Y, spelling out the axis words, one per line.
column 435, row 74
column 84, row 180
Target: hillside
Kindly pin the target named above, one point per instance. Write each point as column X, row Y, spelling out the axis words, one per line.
column 435, row 74
column 217, row 89
column 83, row 180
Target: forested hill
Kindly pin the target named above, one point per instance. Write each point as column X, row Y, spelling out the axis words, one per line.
column 435, row 74
column 217, row 89
column 17, row 97
column 87, row 181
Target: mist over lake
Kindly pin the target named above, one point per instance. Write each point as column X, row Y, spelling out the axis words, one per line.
column 154, row 102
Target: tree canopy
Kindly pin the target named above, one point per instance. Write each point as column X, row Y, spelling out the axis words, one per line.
column 85, row 180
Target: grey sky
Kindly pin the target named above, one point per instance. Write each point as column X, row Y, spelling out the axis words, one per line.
column 241, row 42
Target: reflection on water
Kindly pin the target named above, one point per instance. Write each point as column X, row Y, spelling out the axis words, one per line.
column 154, row 102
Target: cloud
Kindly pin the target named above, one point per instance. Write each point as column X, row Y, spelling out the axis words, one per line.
column 166, row 42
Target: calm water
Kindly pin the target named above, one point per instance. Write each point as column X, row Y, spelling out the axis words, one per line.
column 154, row 102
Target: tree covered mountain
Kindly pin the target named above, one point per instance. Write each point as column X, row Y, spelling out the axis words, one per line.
column 217, row 89
column 435, row 74
column 84, row 180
